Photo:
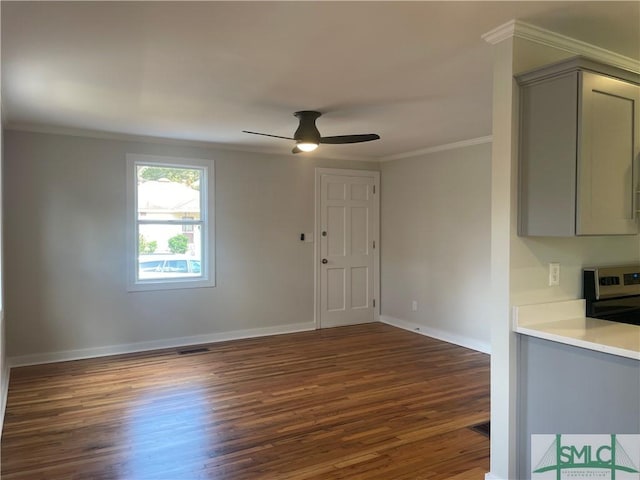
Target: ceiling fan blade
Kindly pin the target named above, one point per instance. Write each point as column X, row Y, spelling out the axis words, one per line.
column 368, row 137
column 266, row 135
column 296, row 150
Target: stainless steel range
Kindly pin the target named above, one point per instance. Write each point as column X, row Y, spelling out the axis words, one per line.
column 613, row 293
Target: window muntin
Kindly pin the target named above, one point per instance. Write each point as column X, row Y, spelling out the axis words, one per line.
column 171, row 231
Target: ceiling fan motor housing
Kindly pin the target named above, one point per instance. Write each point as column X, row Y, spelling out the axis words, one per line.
column 307, row 131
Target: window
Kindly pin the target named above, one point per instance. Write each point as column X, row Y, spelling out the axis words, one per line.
column 170, row 213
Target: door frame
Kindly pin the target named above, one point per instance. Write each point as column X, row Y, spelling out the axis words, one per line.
column 316, row 237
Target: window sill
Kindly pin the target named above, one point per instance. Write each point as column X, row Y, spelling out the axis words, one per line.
column 150, row 286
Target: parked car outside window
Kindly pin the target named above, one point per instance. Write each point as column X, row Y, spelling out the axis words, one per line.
column 168, row 266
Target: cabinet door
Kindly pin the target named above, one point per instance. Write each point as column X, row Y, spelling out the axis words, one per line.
column 607, row 150
column 548, row 151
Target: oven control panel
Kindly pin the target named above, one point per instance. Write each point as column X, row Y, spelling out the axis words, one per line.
column 607, row 282
column 604, row 281
column 632, row 278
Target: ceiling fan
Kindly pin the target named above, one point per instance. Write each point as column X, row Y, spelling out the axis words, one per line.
column 307, row 136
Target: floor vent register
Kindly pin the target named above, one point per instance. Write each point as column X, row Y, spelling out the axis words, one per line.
column 483, row 428
column 191, row 351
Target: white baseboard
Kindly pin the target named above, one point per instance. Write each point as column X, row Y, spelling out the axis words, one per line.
column 63, row 356
column 449, row 337
column 6, row 371
column 491, row 476
column 4, row 392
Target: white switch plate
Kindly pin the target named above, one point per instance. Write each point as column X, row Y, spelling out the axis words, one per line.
column 554, row 274
column 414, row 306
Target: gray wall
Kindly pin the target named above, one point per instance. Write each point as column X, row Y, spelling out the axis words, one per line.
column 65, row 247
column 565, row 389
column 435, row 219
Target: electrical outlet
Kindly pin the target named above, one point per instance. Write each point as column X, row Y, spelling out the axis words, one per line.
column 414, row 306
column 554, row 274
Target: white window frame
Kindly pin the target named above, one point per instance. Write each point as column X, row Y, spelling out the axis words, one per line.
column 207, row 220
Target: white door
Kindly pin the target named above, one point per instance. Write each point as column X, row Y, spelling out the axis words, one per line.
column 347, row 250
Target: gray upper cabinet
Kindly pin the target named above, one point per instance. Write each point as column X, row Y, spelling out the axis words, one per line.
column 579, row 149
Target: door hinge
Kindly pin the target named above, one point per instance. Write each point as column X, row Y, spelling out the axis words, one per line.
column 374, row 303
column 374, row 244
column 374, row 189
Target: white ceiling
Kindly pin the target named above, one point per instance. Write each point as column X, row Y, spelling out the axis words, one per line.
column 416, row 73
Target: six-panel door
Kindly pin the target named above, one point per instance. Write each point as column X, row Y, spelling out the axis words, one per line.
column 347, row 250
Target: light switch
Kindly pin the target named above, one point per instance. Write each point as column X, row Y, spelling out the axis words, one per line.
column 554, row 274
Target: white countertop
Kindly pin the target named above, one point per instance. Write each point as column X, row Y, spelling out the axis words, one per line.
column 564, row 322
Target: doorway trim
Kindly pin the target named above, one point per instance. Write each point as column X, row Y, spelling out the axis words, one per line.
column 318, row 228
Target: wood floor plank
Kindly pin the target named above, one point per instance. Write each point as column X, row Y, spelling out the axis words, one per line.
column 363, row 402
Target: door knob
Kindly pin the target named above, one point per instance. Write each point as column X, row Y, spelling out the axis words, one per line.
column 324, row 260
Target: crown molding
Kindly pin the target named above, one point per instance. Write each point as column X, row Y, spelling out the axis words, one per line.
column 519, row 29
column 438, row 148
column 127, row 137
column 500, row 33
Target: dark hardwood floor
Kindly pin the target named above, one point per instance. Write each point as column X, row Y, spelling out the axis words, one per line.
column 362, row 402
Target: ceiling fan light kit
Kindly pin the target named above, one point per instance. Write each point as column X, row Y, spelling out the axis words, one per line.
column 306, row 146
column 307, row 136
